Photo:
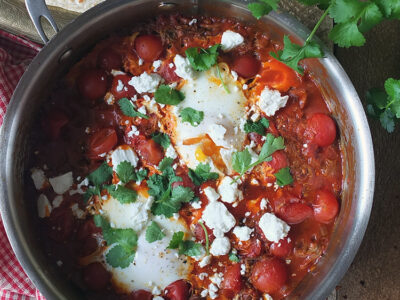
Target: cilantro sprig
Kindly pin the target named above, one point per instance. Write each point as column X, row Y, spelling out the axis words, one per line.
column 185, row 247
column 241, row 161
column 123, row 194
column 192, row 116
column 123, row 243
column 162, row 139
column 129, row 109
column 202, row 174
column 154, row 233
column 385, row 105
column 262, row 7
column 257, row 127
column 167, row 95
column 203, row 59
column 283, row 177
column 126, row 172
column 98, row 177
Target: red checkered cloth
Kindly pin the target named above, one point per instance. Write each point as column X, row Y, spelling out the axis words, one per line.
column 15, row 55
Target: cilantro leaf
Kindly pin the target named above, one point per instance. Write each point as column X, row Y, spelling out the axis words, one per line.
column 263, row 7
column 129, row 109
column 101, row 174
column 125, row 172
column 119, row 256
column 192, row 116
column 181, row 194
column 353, row 18
column 202, row 59
column 283, row 177
column 271, row 145
column 154, row 233
column 167, row 95
column 140, row 175
column 177, row 238
column 122, row 194
column 390, row 8
column 322, row 4
column 292, row 53
column 202, row 174
column 241, row 161
column 233, row 257
column 162, row 139
column 387, row 120
column 257, row 127
column 165, row 163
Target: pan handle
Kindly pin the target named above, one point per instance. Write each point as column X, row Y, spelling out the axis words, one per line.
column 37, row 9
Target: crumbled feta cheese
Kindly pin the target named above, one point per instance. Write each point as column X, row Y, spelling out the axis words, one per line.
column 171, row 65
column 271, row 101
column 62, row 183
column 117, row 72
column 142, row 110
column 254, row 181
column 119, row 155
column 204, row 293
column 196, row 204
column 140, row 61
column 273, row 228
column 245, row 87
column 38, row 177
column 263, row 204
column 212, row 290
column 57, row 201
column 156, row 65
column 77, row 212
column 158, row 298
column 255, row 117
column 43, row 206
column 205, row 261
column 231, row 40
column 133, row 131
column 120, row 86
column 211, row 194
column 217, row 216
column 242, row 232
column 220, row 246
column 193, row 21
column 202, row 276
column 170, row 152
column 228, row 189
column 242, row 269
column 217, row 279
column 145, row 83
column 156, row 291
column 183, row 67
column 267, row 297
column 234, row 75
column 217, row 133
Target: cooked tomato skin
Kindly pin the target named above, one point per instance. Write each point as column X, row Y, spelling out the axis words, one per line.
column 126, row 91
column 109, row 60
column 140, row 295
column 92, row 84
column 168, row 73
column 322, row 129
column 326, row 207
column 148, row 47
column 283, row 248
column 251, row 248
column 101, row 142
column 278, row 161
column 246, row 66
column 295, row 213
column 178, row 290
column 232, row 279
column 269, row 275
column 95, row 276
column 148, row 150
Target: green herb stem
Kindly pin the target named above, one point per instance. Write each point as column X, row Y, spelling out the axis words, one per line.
column 309, row 38
column 206, row 235
column 222, row 81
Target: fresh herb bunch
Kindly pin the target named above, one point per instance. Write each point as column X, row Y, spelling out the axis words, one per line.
column 353, row 18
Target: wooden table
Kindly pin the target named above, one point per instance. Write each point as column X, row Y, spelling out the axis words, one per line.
column 374, row 273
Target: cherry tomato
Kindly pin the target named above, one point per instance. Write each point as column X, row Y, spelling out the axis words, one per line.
column 295, row 213
column 140, row 295
column 107, row 117
column 200, row 234
column 322, row 129
column 95, row 276
column 101, row 142
column 278, row 161
column 148, row 47
column 269, row 275
column 168, row 73
column 148, row 150
column 246, row 66
column 178, row 290
column 283, row 248
column 326, row 207
column 120, row 87
column 251, row 248
column 232, row 279
column 109, row 60
column 54, row 122
column 92, row 84
column 186, row 181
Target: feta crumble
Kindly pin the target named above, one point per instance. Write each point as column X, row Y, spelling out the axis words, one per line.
column 228, row 189
column 62, row 183
column 217, row 216
column 273, row 228
column 220, row 246
column 77, row 212
column 211, row 194
column 263, row 204
column 170, row 152
column 145, row 83
column 183, row 67
column 38, row 177
column 271, row 101
column 231, row 40
column 57, row 201
column 205, row 261
column 217, row 133
column 43, row 206
column 156, row 65
column 242, row 232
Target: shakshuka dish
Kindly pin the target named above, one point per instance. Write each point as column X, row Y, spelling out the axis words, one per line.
column 179, row 160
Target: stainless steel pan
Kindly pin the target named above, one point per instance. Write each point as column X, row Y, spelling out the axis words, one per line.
column 79, row 36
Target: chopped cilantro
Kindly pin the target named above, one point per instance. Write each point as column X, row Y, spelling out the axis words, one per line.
column 167, row 95
column 283, row 177
column 129, row 109
column 202, row 174
column 165, row 163
column 124, row 240
column 257, row 127
column 122, row 194
column 192, row 116
column 262, row 7
column 202, row 59
column 154, row 233
column 101, row 174
column 185, row 247
column 233, row 257
column 162, row 139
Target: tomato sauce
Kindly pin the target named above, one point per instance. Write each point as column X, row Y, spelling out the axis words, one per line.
column 81, row 122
